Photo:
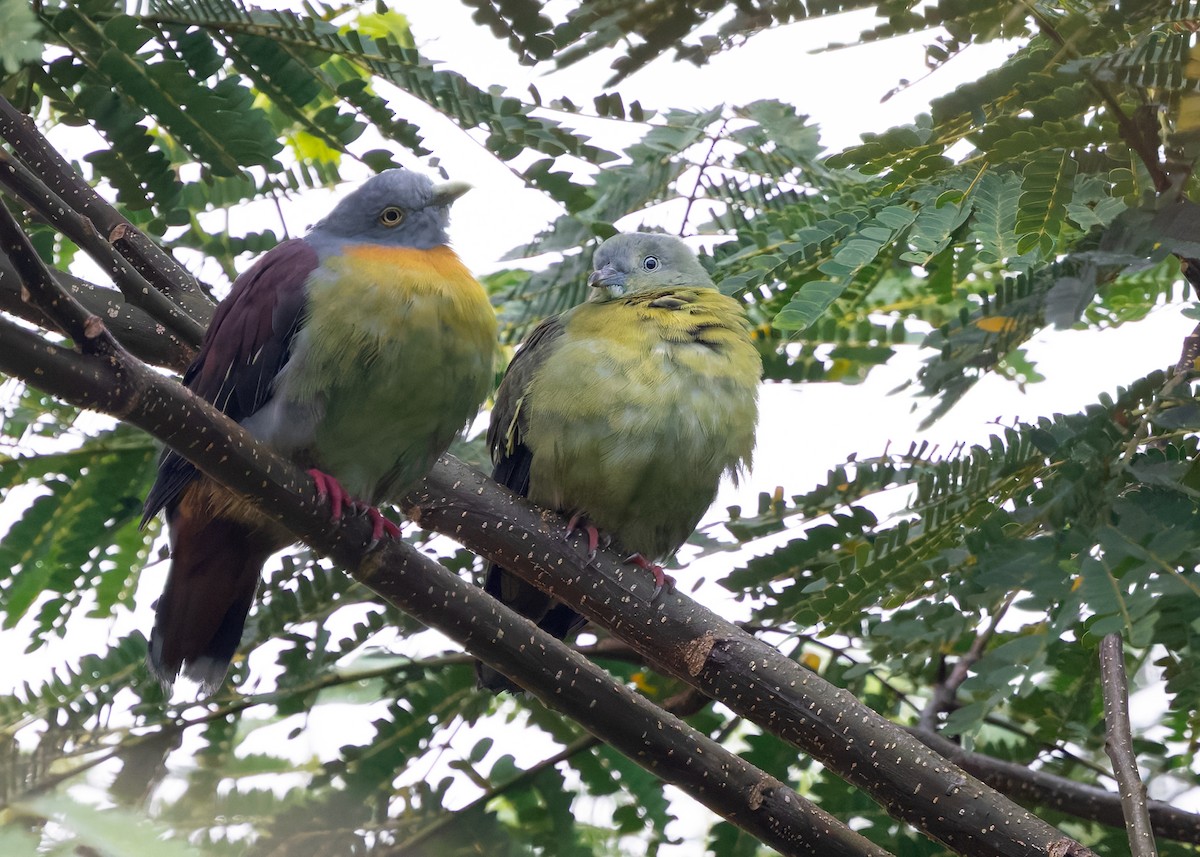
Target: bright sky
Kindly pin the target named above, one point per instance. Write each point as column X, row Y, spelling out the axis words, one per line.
column 804, row 430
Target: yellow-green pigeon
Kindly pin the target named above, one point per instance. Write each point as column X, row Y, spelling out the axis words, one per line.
column 625, row 411
column 359, row 351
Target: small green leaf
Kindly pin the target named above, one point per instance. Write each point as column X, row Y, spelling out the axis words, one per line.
column 806, row 305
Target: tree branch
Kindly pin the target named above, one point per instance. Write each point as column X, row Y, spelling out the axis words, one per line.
column 682, row 638
column 1118, row 744
column 147, row 258
column 945, row 691
column 26, row 187
column 119, row 385
column 66, row 314
column 148, row 340
column 1078, row 799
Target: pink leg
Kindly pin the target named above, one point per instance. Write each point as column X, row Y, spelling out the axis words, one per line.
column 662, row 580
column 593, row 535
column 381, row 526
column 329, row 488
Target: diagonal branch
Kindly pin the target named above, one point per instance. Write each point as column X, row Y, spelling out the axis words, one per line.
column 1118, row 743
column 66, row 314
column 678, row 636
column 137, row 331
column 32, row 193
column 117, row 384
column 1081, row 800
column 20, row 132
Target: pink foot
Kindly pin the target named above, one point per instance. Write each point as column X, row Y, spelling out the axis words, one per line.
column 593, row 535
column 380, row 526
column 662, row 580
column 339, row 501
column 330, row 489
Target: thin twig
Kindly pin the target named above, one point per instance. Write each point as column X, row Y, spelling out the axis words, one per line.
column 704, row 165
column 458, row 817
column 1118, row 744
column 681, row 705
column 944, row 691
column 1129, row 130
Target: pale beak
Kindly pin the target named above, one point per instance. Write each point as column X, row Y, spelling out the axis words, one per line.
column 607, row 277
column 446, row 193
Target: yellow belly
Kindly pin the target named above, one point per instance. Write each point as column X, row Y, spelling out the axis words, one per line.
column 637, row 413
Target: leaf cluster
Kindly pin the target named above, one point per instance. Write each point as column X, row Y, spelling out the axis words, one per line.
column 1054, row 190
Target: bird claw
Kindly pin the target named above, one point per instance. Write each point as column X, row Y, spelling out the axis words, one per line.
column 593, row 535
column 662, row 580
column 381, row 527
column 330, row 489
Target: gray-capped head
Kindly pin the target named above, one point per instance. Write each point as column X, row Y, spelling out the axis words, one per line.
column 637, row 261
column 398, row 208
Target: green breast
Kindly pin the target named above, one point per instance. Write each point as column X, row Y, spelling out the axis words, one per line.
column 637, row 413
column 397, row 362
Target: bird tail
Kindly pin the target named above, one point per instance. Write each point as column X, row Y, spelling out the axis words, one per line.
column 216, row 563
column 554, row 618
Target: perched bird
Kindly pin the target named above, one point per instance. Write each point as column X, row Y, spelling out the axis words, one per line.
column 360, row 350
column 625, row 411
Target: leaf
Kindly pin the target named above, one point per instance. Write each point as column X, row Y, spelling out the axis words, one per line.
column 1046, row 188
column 808, row 304
column 109, row 831
column 850, row 258
column 20, row 33
column 994, row 219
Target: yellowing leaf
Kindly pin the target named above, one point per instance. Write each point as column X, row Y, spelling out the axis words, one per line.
column 995, row 323
column 387, row 25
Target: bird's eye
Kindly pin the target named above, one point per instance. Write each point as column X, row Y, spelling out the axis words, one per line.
column 650, row 263
column 391, row 216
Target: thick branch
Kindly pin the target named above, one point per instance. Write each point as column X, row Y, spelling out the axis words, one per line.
column 758, row 682
column 1044, row 789
column 1017, row 781
column 563, row 679
column 143, row 336
column 26, row 187
column 1118, row 743
column 147, row 257
column 65, row 313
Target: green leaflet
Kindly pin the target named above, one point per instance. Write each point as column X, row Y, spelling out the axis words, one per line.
column 1047, row 185
column 81, row 536
column 851, row 257
column 111, row 831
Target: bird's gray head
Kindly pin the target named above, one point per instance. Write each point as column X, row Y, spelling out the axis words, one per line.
column 637, row 261
column 398, row 208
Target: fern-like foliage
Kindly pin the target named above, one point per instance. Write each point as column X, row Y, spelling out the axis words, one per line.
column 1053, row 190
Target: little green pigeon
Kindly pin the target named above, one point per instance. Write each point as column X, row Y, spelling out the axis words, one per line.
column 359, row 351
column 625, row 411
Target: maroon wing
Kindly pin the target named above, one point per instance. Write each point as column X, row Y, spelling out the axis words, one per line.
column 247, row 344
